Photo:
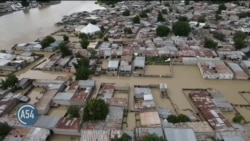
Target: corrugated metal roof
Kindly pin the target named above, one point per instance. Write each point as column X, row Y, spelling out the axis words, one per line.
column 47, row 122
column 180, row 134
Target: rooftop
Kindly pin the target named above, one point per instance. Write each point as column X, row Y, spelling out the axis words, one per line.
column 180, row 134
column 69, row 123
column 150, row 119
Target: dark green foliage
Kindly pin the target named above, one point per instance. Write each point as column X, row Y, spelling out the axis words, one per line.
column 164, row 11
column 239, row 38
column 102, row 29
column 106, row 39
column 217, row 17
column 64, row 50
column 152, row 60
column 95, row 109
column 244, row 14
column 160, row 17
column 186, row 2
column 74, row 111
column 124, row 137
column 136, row 20
column 181, row 28
column 127, row 30
column 25, row 3
column 162, row 31
column 4, row 129
column 92, row 52
column 209, row 43
column 108, row 2
column 148, row 10
column 143, row 14
column 220, row 8
column 238, row 119
column 10, row 81
column 126, row 13
column 167, row 4
column 47, row 41
column 84, row 43
column 177, row 119
column 183, row 18
column 202, row 19
column 93, row 21
column 152, row 137
column 218, row 35
column 65, row 38
column 82, row 69
column 83, row 36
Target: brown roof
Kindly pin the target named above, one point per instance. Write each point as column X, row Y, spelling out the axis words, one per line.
column 69, row 123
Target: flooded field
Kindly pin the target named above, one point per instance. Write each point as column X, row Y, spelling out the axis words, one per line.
column 63, row 138
column 245, row 112
column 35, row 94
column 120, row 95
column 105, row 63
column 157, row 69
column 247, row 97
column 59, row 111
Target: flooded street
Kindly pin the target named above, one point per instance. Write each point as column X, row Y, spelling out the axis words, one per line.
column 37, row 22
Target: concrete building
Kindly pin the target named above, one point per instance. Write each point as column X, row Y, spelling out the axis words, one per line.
column 114, row 119
column 246, row 65
column 230, row 136
column 99, row 135
column 139, row 65
column 113, row 67
column 141, row 132
column 239, row 73
column 149, row 119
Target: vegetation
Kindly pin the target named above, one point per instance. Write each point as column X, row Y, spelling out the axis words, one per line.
column 143, row 14
column 93, row 21
column 136, row 20
column 244, row 14
column 84, row 43
column 74, row 111
column 126, row 13
column 218, row 35
column 4, row 129
column 152, row 137
column 186, row 2
column 209, row 43
column 95, row 109
column 83, row 36
column 183, row 18
column 64, row 50
column 160, row 17
column 238, row 119
column 181, row 28
column 10, row 81
column 108, row 2
column 217, row 17
column 82, row 69
column 47, row 41
column 127, row 30
column 220, row 8
column 156, row 60
column 164, row 11
column 124, row 137
column 65, row 38
column 177, row 119
column 105, row 39
column 92, row 52
column 25, row 3
column 162, row 31
column 239, row 38
column 202, row 19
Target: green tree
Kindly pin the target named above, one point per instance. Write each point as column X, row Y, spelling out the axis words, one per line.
column 164, row 11
column 74, row 111
column 10, row 81
column 82, row 69
column 95, row 109
column 4, row 129
column 181, row 28
column 47, row 41
column 25, row 3
column 209, row 43
column 105, row 39
column 64, row 50
column 202, row 19
column 220, row 8
column 126, row 13
column 238, row 119
column 186, row 2
column 162, row 31
column 160, row 17
column 136, row 20
column 183, row 18
column 239, row 38
column 152, row 137
column 127, row 30
column 82, row 36
column 84, row 43
column 124, row 137
column 92, row 52
column 65, row 38
column 172, row 119
column 183, row 118
column 143, row 14
column 218, row 35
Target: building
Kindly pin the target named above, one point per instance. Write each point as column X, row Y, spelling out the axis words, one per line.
column 7, row 104
column 24, row 83
column 27, row 134
column 180, row 134
column 106, row 91
column 246, row 65
column 113, row 67
column 141, row 132
column 150, row 119
column 48, row 122
column 139, row 65
column 215, row 70
column 125, row 68
column 239, row 73
column 114, row 119
column 230, row 136
column 99, row 135
column 68, row 126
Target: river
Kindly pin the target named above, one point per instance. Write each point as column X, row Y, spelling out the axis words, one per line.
column 19, row 27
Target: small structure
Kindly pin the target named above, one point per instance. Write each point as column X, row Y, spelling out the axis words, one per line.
column 114, row 118
column 141, row 132
column 180, row 134
column 230, row 136
column 48, row 122
column 164, row 90
column 239, row 73
column 139, row 65
column 90, row 29
column 113, row 66
column 68, row 126
column 246, row 65
column 24, row 83
column 150, row 119
column 100, row 135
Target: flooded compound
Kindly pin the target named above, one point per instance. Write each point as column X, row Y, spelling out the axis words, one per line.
column 157, row 70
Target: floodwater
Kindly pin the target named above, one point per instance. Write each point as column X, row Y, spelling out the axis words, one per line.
column 35, row 94
column 120, row 95
column 59, row 111
column 157, row 69
column 64, row 138
column 19, row 27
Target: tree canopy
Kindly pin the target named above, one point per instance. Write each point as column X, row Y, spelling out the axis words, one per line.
column 177, row 119
column 239, row 39
column 126, row 13
column 84, row 43
column 209, row 43
column 65, row 38
column 143, row 14
column 82, row 69
column 238, row 119
column 10, row 81
column 4, row 129
column 127, row 30
column 181, row 28
column 64, row 50
column 47, row 41
column 83, row 36
column 95, row 109
column 160, row 17
column 218, row 35
column 136, row 20
column 183, row 18
column 152, row 137
column 74, row 111
column 124, row 137
column 220, row 8
column 162, row 30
